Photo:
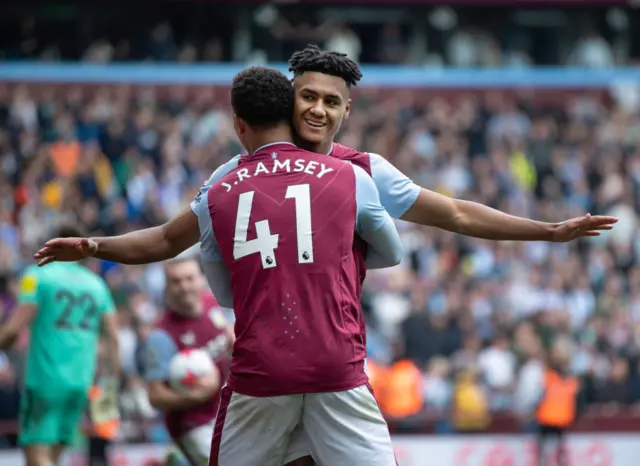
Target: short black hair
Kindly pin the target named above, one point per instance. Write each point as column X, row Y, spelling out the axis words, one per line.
column 314, row 59
column 263, row 97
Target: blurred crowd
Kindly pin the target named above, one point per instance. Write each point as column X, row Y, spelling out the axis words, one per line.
column 460, row 322
column 419, row 35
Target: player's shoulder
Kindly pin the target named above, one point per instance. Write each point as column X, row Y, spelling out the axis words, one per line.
column 376, row 159
column 361, row 159
column 157, row 351
column 31, row 271
column 361, row 175
column 30, row 280
column 225, row 168
column 219, row 173
column 39, row 277
column 159, row 337
column 225, row 171
column 340, row 151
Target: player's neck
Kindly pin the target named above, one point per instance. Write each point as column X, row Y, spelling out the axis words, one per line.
column 324, row 147
column 270, row 136
column 321, row 148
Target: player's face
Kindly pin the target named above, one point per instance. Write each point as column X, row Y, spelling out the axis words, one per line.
column 184, row 283
column 322, row 103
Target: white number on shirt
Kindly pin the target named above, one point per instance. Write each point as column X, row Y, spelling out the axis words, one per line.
column 265, row 243
column 302, row 194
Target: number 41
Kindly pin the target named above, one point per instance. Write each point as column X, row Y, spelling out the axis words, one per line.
column 265, row 243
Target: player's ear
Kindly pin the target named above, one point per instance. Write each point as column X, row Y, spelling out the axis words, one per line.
column 347, row 110
column 239, row 125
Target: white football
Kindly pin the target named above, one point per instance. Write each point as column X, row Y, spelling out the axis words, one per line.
column 188, row 366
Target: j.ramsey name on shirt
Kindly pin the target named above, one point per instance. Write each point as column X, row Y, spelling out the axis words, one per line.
column 309, row 167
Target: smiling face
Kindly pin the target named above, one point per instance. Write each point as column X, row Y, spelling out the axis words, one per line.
column 184, row 285
column 322, row 103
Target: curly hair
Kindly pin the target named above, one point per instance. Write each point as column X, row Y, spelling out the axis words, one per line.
column 263, row 97
column 314, row 59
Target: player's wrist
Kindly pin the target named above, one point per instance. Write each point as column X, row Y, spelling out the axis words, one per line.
column 551, row 231
column 95, row 246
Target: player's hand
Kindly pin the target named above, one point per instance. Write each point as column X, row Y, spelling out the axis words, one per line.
column 581, row 227
column 206, row 387
column 66, row 250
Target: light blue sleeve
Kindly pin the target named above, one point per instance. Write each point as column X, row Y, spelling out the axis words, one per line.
column 208, row 245
column 156, row 355
column 374, row 225
column 397, row 191
column 219, row 281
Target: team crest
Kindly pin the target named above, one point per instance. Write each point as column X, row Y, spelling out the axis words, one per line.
column 217, row 317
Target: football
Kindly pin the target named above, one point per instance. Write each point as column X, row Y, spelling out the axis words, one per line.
column 188, row 366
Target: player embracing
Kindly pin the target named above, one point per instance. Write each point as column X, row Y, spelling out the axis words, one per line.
column 192, row 320
column 67, row 308
column 277, row 241
column 279, row 229
column 322, row 82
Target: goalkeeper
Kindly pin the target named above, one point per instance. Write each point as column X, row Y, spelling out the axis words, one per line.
column 67, row 308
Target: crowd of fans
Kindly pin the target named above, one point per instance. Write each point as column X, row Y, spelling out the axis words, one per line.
column 420, row 36
column 459, row 312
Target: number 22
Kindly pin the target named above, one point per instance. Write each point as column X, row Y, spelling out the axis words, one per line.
column 265, row 243
column 69, row 302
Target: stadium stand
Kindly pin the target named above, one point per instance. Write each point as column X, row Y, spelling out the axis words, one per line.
column 463, row 326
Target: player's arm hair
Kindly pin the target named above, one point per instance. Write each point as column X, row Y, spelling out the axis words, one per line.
column 21, row 318
column 109, row 336
column 155, row 244
column 473, row 219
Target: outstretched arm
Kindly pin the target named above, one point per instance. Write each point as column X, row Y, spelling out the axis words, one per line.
column 152, row 244
column 138, row 247
column 477, row 220
column 143, row 246
column 402, row 198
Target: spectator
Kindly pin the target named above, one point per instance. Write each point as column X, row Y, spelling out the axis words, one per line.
column 616, row 390
column 344, row 40
column 402, row 391
column 436, row 385
column 470, row 405
column 497, row 366
column 427, row 336
column 592, row 51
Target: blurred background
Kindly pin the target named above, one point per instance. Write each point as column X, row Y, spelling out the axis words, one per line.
column 114, row 116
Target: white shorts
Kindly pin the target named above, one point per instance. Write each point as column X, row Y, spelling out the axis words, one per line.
column 337, row 428
column 195, row 445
